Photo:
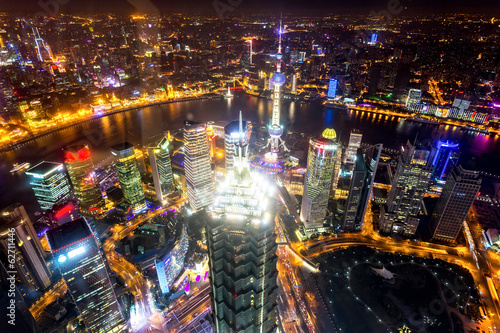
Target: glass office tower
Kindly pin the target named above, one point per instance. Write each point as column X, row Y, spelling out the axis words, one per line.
column 82, row 267
column 129, row 175
column 242, row 251
column 161, row 167
column 197, row 167
column 50, row 183
column 81, row 172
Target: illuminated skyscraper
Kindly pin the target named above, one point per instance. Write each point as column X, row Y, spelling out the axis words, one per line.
column 50, row 183
column 82, row 267
column 129, row 175
column 413, row 97
column 353, row 146
column 81, row 172
column 171, row 261
column 410, row 183
column 361, row 187
column 458, row 195
column 321, row 161
column 332, row 88
column 242, row 251
column 29, row 262
column 232, row 137
column 277, row 80
column 161, row 167
column 445, row 158
column 199, row 181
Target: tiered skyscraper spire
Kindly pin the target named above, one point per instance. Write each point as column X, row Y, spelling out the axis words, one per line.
column 278, row 79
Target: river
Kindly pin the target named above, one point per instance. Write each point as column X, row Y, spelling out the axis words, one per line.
column 142, row 126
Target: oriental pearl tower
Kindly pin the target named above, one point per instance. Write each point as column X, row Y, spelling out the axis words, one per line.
column 278, row 79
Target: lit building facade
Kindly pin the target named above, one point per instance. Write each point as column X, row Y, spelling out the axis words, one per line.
column 170, row 264
column 361, row 187
column 50, row 183
column 82, row 267
column 197, row 168
column 459, row 192
column 332, row 88
column 232, row 137
column 445, row 158
column 353, row 146
column 410, row 183
column 242, row 252
column 29, row 262
column 161, row 167
column 321, row 162
column 413, row 97
column 85, row 185
column 129, row 175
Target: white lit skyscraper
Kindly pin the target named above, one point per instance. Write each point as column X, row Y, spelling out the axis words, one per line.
column 410, row 183
column 76, row 252
column 50, row 183
column 242, row 251
column 199, row 180
column 353, row 146
column 161, row 168
column 29, row 260
column 454, row 204
column 232, row 137
column 321, row 162
column 129, row 175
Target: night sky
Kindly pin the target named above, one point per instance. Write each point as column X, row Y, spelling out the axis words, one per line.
column 260, row 6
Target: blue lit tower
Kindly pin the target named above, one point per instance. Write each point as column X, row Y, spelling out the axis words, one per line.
column 278, row 79
column 445, row 159
column 242, row 247
column 82, row 267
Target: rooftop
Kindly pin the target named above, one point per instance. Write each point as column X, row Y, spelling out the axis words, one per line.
column 68, row 233
column 44, row 168
column 122, row 146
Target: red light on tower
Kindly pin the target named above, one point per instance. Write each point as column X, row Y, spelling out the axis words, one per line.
column 63, row 211
column 83, row 154
column 68, row 157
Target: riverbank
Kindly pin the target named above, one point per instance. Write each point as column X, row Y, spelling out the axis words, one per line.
column 17, row 143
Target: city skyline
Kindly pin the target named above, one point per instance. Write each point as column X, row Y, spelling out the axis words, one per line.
column 249, row 167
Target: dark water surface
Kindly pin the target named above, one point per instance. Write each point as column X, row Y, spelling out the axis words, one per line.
column 140, row 127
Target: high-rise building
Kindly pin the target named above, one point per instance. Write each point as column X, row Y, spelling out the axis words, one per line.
column 171, row 261
column 129, row 175
column 232, row 137
column 361, row 187
column 445, row 158
column 242, row 252
column 82, row 267
column 18, row 235
column 50, row 183
column 413, row 96
column 277, row 80
column 321, row 161
column 332, row 88
column 459, row 192
column 81, row 172
column 161, row 168
column 199, row 180
column 294, row 83
column 410, row 183
column 13, row 308
column 353, row 146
